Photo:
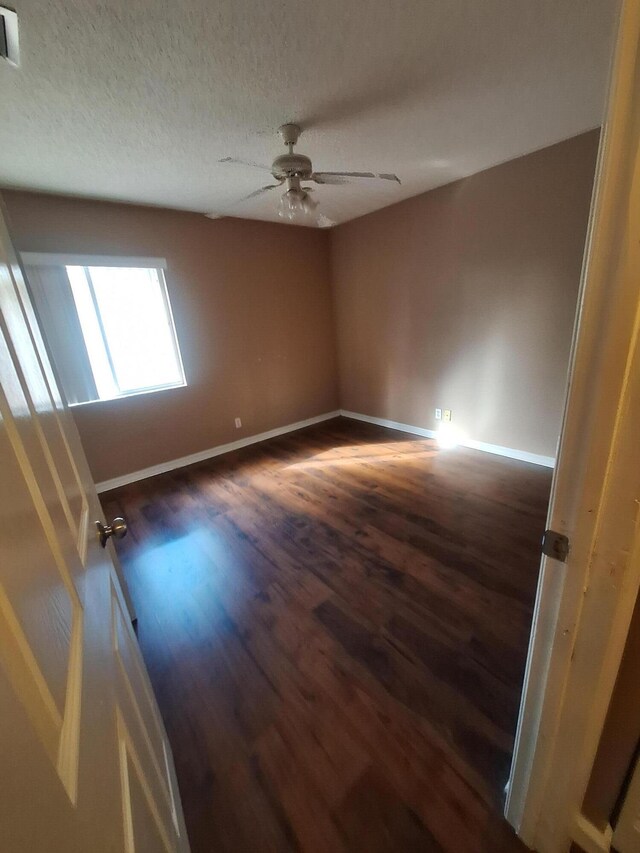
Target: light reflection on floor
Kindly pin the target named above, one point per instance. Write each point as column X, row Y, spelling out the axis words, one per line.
column 179, row 578
column 371, row 453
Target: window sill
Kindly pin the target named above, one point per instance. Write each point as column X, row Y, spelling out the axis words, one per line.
column 127, row 396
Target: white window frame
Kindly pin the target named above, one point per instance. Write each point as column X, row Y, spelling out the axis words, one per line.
column 87, row 261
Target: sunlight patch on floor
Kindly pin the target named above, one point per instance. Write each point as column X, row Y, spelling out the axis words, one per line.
column 364, row 453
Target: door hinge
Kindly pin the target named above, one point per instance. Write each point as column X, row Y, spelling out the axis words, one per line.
column 555, row 545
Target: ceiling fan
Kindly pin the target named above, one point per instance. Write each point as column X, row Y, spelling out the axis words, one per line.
column 290, row 169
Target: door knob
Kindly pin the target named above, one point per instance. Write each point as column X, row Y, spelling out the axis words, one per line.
column 117, row 528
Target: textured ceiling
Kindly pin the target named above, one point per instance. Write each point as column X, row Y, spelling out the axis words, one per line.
column 137, row 100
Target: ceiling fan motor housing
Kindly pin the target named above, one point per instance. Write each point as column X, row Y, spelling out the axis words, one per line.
column 291, row 165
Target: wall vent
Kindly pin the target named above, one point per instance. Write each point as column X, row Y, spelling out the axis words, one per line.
column 9, row 49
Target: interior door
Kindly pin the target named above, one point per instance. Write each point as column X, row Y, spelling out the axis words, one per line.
column 85, row 760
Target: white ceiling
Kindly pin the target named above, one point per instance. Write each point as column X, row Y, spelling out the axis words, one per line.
column 137, row 100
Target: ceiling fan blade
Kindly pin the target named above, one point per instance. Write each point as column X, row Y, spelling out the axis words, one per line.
column 260, row 191
column 328, row 179
column 385, row 176
column 237, row 162
column 344, row 175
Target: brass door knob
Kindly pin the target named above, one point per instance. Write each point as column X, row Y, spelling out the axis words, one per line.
column 117, row 528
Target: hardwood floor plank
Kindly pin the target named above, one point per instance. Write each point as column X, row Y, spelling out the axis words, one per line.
column 377, row 820
column 335, row 623
column 482, row 745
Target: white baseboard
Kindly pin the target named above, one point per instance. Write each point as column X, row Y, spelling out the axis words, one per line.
column 497, row 449
column 172, row 464
column 589, row 837
column 356, row 416
column 522, row 455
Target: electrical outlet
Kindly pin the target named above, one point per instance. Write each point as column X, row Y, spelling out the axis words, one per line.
column 447, row 414
column 238, row 423
column 438, row 414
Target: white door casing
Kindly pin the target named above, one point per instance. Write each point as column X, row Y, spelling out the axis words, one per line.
column 85, row 757
column 584, row 606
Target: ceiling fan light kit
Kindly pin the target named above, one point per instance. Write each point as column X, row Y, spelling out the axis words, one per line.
column 296, row 202
column 292, row 168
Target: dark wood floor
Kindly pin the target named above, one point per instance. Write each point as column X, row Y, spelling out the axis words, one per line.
column 335, row 623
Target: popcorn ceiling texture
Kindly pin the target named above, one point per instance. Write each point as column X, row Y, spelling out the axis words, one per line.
column 137, row 101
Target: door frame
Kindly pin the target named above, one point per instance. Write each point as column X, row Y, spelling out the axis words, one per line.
column 584, row 606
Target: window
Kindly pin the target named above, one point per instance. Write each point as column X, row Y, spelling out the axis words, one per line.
column 127, row 328
column 109, row 328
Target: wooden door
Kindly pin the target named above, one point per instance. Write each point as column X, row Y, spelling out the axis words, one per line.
column 86, row 765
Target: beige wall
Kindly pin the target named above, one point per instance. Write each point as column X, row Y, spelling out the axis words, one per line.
column 253, row 312
column 464, row 298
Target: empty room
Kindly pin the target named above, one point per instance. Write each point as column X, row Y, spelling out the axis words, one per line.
column 305, row 312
